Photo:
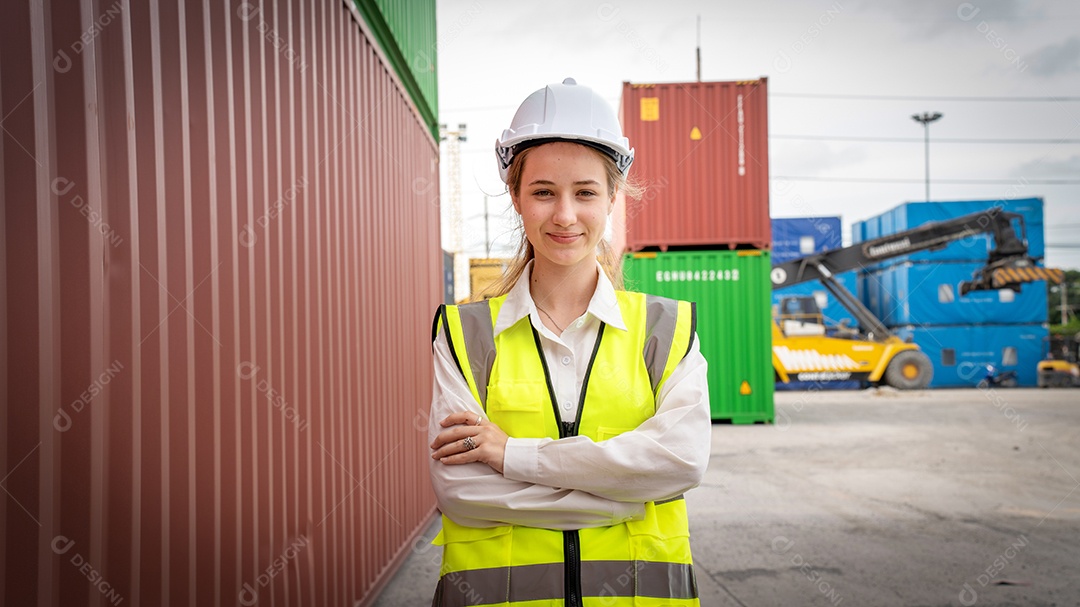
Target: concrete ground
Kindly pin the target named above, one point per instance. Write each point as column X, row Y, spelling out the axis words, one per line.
column 878, row 497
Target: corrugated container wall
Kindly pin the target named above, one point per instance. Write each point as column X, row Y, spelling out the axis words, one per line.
column 731, row 289
column 214, row 393
column 702, row 150
column 405, row 29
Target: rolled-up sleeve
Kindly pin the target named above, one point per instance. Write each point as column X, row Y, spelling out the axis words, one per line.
column 660, row 459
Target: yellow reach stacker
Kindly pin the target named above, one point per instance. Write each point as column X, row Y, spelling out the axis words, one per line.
column 1060, row 369
column 803, row 352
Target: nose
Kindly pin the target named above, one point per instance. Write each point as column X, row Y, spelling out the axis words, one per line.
column 564, row 214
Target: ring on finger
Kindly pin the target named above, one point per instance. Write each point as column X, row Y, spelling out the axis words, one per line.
column 469, row 443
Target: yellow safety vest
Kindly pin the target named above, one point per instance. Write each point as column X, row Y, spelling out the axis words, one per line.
column 644, row 563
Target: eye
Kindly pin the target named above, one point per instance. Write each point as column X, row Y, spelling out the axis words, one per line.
column 586, row 193
column 542, row 193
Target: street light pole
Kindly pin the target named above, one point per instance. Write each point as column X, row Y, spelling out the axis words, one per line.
column 926, row 118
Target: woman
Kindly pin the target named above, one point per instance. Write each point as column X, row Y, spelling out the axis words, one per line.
column 568, row 417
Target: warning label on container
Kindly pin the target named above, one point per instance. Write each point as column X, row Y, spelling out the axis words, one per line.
column 824, row 376
column 650, row 109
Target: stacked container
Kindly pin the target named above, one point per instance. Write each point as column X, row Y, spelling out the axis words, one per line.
column 701, row 232
column 702, row 150
column 918, row 295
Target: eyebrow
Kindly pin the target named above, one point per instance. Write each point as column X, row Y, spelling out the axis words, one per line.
column 583, row 182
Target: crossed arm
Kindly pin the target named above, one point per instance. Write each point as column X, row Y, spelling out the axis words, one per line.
column 568, row 483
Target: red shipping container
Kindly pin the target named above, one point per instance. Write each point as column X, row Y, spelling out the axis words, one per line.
column 702, row 148
column 220, row 257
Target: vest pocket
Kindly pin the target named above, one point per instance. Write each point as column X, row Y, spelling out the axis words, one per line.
column 524, row 396
column 453, row 532
column 663, row 535
column 473, row 547
column 520, row 408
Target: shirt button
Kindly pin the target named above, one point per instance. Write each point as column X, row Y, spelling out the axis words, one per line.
column 567, row 405
column 566, row 360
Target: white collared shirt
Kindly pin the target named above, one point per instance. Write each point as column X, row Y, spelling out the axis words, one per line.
column 574, row 482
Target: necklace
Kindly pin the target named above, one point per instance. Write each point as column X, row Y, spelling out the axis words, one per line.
column 550, row 318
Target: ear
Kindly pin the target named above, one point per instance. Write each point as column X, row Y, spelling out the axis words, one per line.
column 514, row 200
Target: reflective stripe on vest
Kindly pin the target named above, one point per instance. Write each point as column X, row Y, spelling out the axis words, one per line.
column 617, row 565
column 603, row 579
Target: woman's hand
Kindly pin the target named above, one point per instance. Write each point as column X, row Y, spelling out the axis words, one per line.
column 469, row 437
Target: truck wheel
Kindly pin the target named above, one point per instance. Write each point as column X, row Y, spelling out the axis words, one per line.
column 909, row 370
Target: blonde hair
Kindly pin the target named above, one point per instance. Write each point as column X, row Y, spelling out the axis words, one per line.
column 608, row 257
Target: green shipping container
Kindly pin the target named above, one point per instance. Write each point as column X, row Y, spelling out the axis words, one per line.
column 732, row 292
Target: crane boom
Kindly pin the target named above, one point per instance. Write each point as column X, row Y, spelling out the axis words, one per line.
column 1007, row 265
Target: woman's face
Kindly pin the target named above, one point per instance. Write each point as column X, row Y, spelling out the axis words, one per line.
column 564, row 202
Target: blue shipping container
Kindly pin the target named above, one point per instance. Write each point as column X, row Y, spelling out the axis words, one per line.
column 975, row 248
column 448, row 277
column 795, row 237
column 929, row 294
column 831, row 309
column 858, row 231
column 960, row 354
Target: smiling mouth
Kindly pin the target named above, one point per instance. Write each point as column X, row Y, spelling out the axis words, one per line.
column 563, row 238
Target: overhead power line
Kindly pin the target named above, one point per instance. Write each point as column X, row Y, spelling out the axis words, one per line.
column 1045, row 99
column 948, row 181
column 854, row 97
column 920, row 139
column 906, row 140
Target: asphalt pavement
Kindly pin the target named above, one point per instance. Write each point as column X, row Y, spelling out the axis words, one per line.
column 879, row 497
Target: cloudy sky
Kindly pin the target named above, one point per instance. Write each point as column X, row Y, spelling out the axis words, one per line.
column 845, row 76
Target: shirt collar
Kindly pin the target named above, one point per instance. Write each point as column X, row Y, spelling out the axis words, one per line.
column 519, row 303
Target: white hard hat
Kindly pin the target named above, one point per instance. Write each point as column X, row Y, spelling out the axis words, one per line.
column 560, row 112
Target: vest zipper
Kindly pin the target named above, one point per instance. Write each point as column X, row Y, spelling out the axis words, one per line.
column 571, row 539
column 572, row 557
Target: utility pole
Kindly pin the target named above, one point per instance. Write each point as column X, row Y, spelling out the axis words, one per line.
column 926, row 118
column 453, row 141
column 487, row 231
column 1065, row 301
column 699, row 48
